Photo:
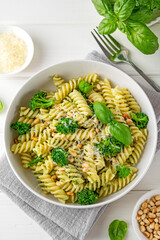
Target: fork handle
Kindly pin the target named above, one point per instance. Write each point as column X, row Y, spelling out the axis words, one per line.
column 150, row 81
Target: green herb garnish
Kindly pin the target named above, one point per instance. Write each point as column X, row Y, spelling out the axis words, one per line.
column 21, row 127
column 85, row 87
column 59, row 155
column 109, row 146
column 117, row 230
column 36, row 160
column 140, row 119
column 39, row 101
column 86, row 197
column 1, row 106
column 67, row 125
column 123, row 171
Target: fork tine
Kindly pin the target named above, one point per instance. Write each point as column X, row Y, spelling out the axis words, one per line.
column 115, row 47
column 101, row 46
column 108, row 47
column 115, row 41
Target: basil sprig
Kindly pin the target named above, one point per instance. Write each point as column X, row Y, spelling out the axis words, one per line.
column 130, row 17
column 121, row 132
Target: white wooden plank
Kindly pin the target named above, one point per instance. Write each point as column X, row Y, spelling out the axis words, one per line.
column 57, row 43
column 19, row 224
column 48, row 11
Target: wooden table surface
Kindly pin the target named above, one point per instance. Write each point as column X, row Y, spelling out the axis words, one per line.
column 61, row 31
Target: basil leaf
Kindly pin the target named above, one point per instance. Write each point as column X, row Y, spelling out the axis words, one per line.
column 122, row 27
column 102, row 6
column 142, row 14
column 117, row 230
column 124, row 8
column 155, row 4
column 121, row 132
column 143, row 3
column 1, row 106
column 142, row 37
column 102, row 112
column 108, row 25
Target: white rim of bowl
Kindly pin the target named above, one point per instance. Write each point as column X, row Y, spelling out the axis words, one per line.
column 79, row 206
column 24, row 66
column 144, row 197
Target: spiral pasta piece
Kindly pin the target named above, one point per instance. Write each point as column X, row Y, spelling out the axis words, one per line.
column 116, row 185
column 58, row 81
column 81, row 103
column 133, row 105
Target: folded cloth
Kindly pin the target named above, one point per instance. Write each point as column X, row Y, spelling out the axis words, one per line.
column 59, row 222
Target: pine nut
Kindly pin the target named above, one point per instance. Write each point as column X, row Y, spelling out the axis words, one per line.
column 15, row 141
column 73, row 153
column 142, row 228
column 151, row 215
column 157, row 197
column 70, row 193
column 35, row 139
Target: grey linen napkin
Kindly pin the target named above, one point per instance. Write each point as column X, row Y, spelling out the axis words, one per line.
column 59, row 222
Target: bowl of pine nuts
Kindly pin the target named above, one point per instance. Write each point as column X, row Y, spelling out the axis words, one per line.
column 146, row 216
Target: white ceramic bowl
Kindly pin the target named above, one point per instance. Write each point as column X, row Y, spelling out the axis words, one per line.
column 69, row 70
column 28, row 41
column 142, row 199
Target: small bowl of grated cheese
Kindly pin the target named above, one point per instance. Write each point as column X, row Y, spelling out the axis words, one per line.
column 16, row 50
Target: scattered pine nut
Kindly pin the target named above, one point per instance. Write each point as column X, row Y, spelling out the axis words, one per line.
column 129, row 121
column 97, row 130
column 99, row 87
column 15, row 141
column 37, row 120
column 73, row 153
column 61, row 169
column 96, row 120
column 63, row 137
column 70, row 193
column 85, row 169
column 58, row 106
column 35, row 139
column 79, row 145
column 51, row 130
column 70, row 115
column 58, row 183
column 92, row 135
column 85, row 165
column 59, row 115
column 45, row 124
column 54, row 177
column 126, row 116
column 71, row 160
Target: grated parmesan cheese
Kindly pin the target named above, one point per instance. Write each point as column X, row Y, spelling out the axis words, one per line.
column 13, row 52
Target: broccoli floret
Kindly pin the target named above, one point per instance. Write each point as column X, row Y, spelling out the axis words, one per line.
column 123, row 171
column 109, row 146
column 21, row 127
column 86, row 197
column 67, row 125
column 85, row 87
column 36, row 160
column 59, row 155
column 140, row 119
column 39, row 101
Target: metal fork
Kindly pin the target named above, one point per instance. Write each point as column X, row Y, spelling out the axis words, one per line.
column 117, row 54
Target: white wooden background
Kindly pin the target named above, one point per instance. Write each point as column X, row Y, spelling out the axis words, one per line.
column 60, row 30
